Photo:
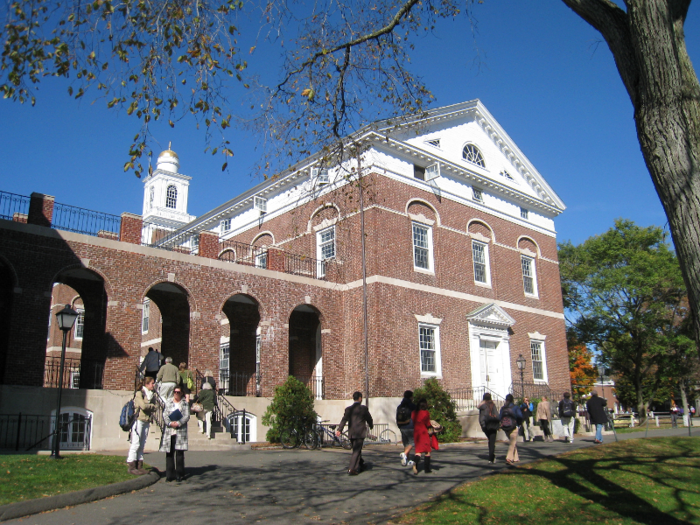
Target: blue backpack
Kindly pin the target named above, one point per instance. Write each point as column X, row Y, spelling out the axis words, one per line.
column 508, row 419
column 128, row 416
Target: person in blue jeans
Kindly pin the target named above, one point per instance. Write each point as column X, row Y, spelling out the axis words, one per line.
column 597, row 414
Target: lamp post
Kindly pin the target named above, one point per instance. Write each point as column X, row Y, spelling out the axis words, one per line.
column 66, row 319
column 521, row 366
column 601, row 373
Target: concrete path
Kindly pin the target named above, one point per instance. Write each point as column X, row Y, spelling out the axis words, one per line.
column 300, row 486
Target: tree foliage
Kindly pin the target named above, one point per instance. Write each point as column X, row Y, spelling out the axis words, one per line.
column 627, row 296
column 582, row 372
column 292, row 404
column 441, row 407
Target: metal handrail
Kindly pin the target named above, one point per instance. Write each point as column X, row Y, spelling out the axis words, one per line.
column 222, row 408
column 77, row 373
column 89, row 222
column 14, row 207
column 61, row 426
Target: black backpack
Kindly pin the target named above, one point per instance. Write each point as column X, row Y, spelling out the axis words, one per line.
column 128, row 416
column 403, row 415
column 567, row 408
column 508, row 419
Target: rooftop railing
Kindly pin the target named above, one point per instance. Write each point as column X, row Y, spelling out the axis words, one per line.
column 89, row 222
column 14, row 207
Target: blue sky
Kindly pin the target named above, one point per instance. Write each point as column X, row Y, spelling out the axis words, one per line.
column 545, row 75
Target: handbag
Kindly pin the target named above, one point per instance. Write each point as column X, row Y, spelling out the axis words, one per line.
column 435, row 427
column 197, row 408
column 190, row 383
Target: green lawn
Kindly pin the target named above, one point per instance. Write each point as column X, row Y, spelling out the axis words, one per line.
column 651, row 481
column 24, row 477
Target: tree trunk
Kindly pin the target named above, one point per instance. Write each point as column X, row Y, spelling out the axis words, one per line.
column 648, row 44
column 684, row 401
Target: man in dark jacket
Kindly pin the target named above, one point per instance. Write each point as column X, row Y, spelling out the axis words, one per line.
column 358, row 418
column 406, row 425
column 597, row 414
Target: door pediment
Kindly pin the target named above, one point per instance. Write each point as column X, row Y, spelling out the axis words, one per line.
column 491, row 315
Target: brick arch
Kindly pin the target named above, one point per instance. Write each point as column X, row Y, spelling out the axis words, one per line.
column 105, row 280
column 11, row 272
column 328, row 212
column 8, row 283
column 265, row 238
column 227, row 255
column 528, row 243
column 175, row 308
column 482, row 228
column 243, row 312
column 318, row 312
column 191, row 300
column 249, row 295
column 305, row 347
column 420, row 207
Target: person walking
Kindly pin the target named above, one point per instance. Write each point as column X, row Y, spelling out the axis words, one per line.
column 208, row 401
column 598, row 414
column 151, row 363
column 174, row 443
column 423, row 436
column 145, row 403
column 511, row 418
column 405, row 423
column 209, row 378
column 186, row 380
column 544, row 416
column 674, row 414
column 490, row 423
column 168, row 377
column 358, row 418
column 567, row 413
column 526, row 408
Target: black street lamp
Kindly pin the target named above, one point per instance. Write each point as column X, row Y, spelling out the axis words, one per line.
column 601, row 373
column 66, row 319
column 520, row 361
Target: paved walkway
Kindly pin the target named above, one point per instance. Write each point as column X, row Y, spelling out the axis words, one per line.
column 300, row 486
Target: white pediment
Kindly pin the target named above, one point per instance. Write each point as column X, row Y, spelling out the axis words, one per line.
column 491, row 315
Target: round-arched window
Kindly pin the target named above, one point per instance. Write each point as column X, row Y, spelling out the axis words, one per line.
column 171, row 197
column 471, row 153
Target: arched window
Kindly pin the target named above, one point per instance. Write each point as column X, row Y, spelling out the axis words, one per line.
column 171, row 197
column 471, row 153
column 151, row 197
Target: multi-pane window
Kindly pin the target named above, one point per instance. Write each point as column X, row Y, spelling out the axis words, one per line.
column 146, row 316
column 223, row 366
column 325, row 248
column 422, row 241
column 538, row 366
column 80, row 324
column 151, row 197
column 480, row 255
column 529, row 278
column 261, row 260
column 477, row 195
column 171, row 197
column 429, row 349
column 524, row 213
column 226, row 225
column 471, row 153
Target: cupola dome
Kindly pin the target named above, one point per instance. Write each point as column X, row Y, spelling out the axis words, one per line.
column 168, row 160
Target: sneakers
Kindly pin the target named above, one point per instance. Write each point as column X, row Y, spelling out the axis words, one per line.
column 410, row 463
column 404, row 459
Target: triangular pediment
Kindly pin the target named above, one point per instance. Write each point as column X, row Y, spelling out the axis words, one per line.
column 491, row 315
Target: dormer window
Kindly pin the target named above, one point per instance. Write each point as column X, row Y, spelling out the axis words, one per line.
column 260, row 204
column 226, row 225
column 471, row 153
column 171, row 197
column 477, row 195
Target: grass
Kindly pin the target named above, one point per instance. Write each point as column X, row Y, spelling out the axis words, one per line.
column 652, row 481
column 25, row 477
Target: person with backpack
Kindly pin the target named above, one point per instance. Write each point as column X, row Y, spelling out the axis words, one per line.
column 544, row 416
column 186, row 380
column 511, row 418
column 405, row 424
column 567, row 413
column 526, row 408
column 490, row 423
column 145, row 405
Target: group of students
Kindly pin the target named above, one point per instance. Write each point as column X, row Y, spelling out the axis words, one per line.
column 176, row 415
column 417, row 430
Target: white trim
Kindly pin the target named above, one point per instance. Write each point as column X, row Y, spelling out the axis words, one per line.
column 545, row 378
column 428, row 319
column 487, row 263
column 428, row 248
column 436, row 342
column 533, row 270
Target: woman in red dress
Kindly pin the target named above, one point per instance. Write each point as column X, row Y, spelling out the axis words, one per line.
column 423, row 436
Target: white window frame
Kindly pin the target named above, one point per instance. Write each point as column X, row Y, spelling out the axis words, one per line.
column 524, row 213
column 261, row 260
column 323, row 244
column 436, row 349
column 533, row 277
column 472, row 154
column 534, row 343
column 79, row 327
column 477, row 195
column 236, row 425
column 146, row 316
column 486, row 263
column 171, row 197
column 428, row 248
column 226, row 225
column 224, row 365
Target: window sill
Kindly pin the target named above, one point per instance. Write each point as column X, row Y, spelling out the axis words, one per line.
column 429, row 375
column 532, row 296
column 483, row 285
column 424, row 271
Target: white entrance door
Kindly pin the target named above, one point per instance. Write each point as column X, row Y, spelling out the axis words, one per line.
column 491, row 365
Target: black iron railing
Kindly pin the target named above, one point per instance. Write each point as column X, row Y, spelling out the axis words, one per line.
column 158, row 236
column 234, row 383
column 77, row 373
column 81, row 220
column 534, row 391
column 14, row 207
column 469, row 398
column 306, row 266
column 31, row 431
column 243, row 253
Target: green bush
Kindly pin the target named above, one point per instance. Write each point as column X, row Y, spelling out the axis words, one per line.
column 442, row 409
column 292, row 404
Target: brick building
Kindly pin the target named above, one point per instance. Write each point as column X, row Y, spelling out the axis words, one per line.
column 460, row 272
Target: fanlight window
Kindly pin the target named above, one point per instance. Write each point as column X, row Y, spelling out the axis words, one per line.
column 471, row 153
column 171, row 197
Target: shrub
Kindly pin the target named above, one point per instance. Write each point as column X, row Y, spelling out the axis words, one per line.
column 442, row 409
column 293, row 403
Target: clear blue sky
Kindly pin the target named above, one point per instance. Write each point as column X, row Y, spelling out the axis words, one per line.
column 546, row 76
